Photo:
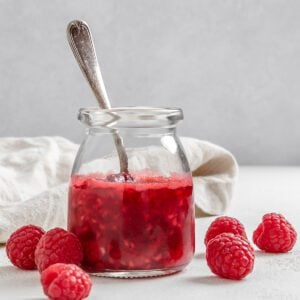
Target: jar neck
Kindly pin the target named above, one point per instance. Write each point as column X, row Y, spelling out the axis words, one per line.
column 160, row 131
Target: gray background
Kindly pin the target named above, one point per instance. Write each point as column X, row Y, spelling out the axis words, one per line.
column 233, row 66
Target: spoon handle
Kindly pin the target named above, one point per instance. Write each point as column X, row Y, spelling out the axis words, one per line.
column 82, row 45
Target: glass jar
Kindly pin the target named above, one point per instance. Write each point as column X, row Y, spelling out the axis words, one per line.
column 139, row 223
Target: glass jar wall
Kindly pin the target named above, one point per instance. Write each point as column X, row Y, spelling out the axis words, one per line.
column 140, row 222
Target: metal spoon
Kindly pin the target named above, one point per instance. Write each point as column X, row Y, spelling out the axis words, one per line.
column 82, row 45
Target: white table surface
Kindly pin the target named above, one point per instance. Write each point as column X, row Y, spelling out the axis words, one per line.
column 259, row 190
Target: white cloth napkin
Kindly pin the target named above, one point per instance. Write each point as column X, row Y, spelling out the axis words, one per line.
column 34, row 174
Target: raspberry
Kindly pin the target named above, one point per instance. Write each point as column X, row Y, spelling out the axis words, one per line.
column 230, row 256
column 224, row 224
column 65, row 282
column 58, row 246
column 21, row 245
column 275, row 234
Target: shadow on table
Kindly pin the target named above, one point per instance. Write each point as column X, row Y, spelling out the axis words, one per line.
column 103, row 280
column 6, row 269
column 199, row 256
column 15, row 272
column 13, row 279
column 210, row 280
column 259, row 253
column 11, row 275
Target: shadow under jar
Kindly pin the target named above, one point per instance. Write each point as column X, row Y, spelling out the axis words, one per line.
column 142, row 223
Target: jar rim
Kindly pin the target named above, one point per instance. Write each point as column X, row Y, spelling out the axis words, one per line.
column 131, row 117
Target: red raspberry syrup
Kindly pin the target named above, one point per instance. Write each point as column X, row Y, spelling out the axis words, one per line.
column 143, row 224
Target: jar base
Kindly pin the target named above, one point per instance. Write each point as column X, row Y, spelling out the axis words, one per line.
column 138, row 273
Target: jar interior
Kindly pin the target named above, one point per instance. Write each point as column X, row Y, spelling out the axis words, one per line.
column 161, row 153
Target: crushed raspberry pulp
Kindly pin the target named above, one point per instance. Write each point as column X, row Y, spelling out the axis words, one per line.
column 144, row 224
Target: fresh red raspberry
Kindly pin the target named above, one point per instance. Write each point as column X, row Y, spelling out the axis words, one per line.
column 65, row 282
column 230, row 256
column 58, row 246
column 224, row 224
column 275, row 234
column 21, row 245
